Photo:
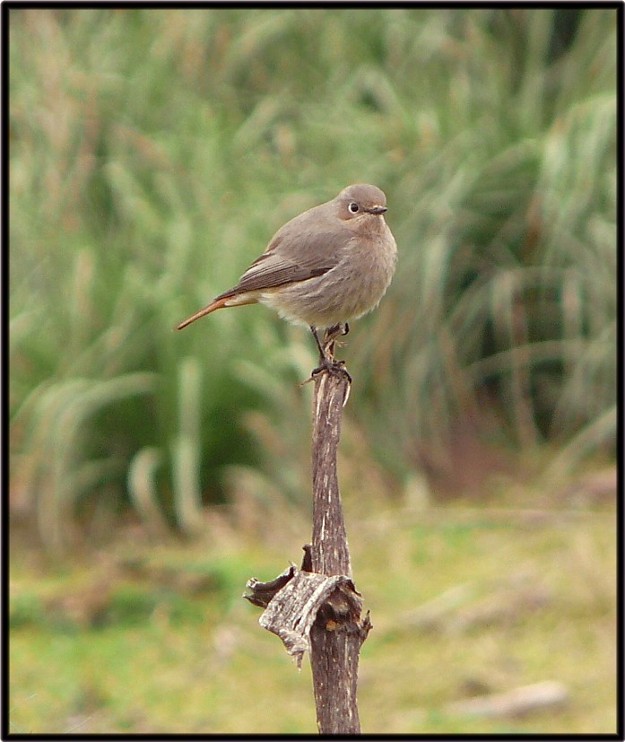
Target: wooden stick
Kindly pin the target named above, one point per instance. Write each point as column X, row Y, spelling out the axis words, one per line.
column 335, row 644
column 330, row 552
column 317, row 608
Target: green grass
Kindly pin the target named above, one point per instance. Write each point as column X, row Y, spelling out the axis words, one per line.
column 463, row 600
column 154, row 152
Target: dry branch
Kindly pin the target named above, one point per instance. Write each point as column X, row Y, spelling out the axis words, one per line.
column 334, row 650
column 318, row 609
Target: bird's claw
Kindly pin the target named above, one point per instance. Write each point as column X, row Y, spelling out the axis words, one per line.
column 333, row 367
column 327, row 362
column 329, row 366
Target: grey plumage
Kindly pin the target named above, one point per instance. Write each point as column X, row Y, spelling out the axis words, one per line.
column 330, row 264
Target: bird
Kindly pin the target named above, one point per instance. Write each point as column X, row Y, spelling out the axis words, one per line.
column 331, row 264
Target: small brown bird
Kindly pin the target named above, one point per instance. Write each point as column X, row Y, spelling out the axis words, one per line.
column 331, row 264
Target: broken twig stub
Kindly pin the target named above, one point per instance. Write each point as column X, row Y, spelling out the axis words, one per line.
column 300, row 600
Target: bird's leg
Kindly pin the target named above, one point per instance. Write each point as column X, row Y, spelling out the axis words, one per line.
column 326, row 347
column 322, row 354
column 326, row 352
column 327, row 361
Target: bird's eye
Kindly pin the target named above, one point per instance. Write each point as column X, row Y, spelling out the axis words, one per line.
column 353, row 207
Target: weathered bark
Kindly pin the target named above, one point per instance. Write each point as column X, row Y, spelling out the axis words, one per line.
column 330, row 551
column 317, row 609
column 297, row 599
column 335, row 644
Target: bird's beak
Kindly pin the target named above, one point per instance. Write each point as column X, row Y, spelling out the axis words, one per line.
column 377, row 209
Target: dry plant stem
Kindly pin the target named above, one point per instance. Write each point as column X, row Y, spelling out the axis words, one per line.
column 330, row 552
column 317, row 609
column 334, row 653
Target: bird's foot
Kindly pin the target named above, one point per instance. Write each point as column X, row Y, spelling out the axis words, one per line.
column 329, row 366
column 333, row 367
column 327, row 362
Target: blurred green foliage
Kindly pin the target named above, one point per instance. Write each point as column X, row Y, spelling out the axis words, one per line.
column 153, row 153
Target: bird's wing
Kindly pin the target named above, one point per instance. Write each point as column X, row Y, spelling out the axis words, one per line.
column 312, row 255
